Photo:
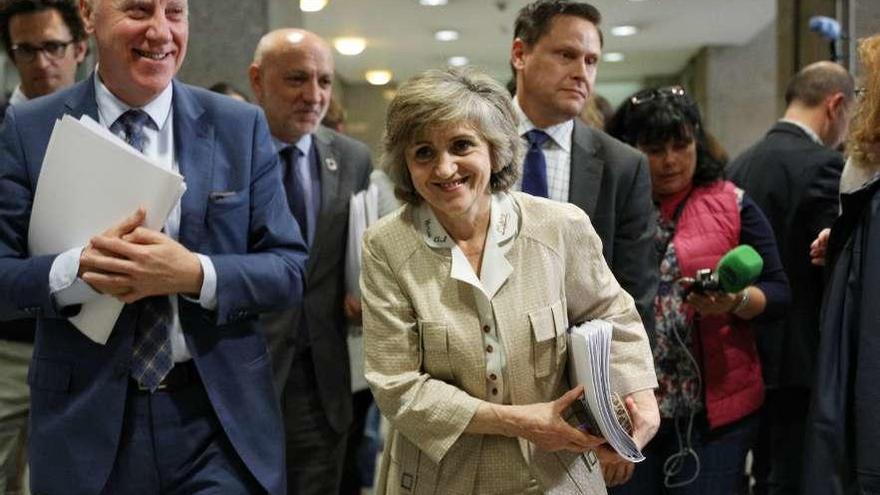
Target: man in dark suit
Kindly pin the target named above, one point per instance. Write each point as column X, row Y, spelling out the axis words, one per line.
column 554, row 56
column 292, row 77
column 793, row 174
column 180, row 398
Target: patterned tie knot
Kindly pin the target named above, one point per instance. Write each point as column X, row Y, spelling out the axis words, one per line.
column 537, row 137
column 132, row 123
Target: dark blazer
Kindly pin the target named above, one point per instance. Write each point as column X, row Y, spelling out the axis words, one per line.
column 345, row 167
column 794, row 181
column 611, row 182
column 78, row 388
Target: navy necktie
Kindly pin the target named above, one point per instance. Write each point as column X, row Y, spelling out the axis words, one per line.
column 151, row 358
column 535, row 168
column 294, row 186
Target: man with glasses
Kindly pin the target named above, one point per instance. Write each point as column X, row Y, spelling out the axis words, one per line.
column 46, row 42
column 793, row 174
column 554, row 56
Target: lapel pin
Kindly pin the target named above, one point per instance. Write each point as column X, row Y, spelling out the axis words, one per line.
column 331, row 164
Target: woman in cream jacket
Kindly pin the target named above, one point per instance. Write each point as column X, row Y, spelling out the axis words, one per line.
column 468, row 291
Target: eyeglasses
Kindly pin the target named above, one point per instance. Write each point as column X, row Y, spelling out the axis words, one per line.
column 653, row 94
column 28, row 53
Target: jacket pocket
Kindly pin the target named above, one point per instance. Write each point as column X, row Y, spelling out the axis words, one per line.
column 435, row 349
column 50, row 384
column 410, row 471
column 549, row 342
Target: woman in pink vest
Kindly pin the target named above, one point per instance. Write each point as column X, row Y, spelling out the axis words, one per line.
column 705, row 354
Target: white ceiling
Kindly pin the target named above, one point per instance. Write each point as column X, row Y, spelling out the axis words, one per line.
column 400, row 33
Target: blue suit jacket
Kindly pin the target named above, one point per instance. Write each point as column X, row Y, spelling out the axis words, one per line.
column 79, row 387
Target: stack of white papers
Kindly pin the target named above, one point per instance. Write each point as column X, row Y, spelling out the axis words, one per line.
column 91, row 180
column 589, row 350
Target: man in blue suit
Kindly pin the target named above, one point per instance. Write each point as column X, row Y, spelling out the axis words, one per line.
column 180, row 399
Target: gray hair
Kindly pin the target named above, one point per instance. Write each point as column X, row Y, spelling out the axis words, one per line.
column 440, row 98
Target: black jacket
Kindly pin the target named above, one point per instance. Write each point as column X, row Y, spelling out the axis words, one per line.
column 843, row 430
column 794, row 181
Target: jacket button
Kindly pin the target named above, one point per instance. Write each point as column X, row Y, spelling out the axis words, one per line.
column 486, row 328
column 489, row 348
column 493, row 377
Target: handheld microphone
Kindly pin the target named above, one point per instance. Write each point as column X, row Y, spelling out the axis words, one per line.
column 829, row 29
column 735, row 271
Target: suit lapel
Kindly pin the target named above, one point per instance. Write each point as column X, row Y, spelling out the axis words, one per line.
column 193, row 149
column 82, row 100
column 586, row 169
column 328, row 166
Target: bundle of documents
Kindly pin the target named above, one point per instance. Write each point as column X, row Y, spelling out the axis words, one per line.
column 91, row 180
column 363, row 212
column 589, row 350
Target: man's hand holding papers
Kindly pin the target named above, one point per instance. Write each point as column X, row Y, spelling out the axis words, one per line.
column 130, row 262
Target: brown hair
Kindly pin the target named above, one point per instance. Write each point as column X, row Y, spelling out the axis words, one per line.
column 864, row 136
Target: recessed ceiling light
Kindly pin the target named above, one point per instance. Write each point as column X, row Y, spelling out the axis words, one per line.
column 613, row 57
column 378, row 77
column 446, row 35
column 312, row 5
column 350, row 45
column 433, row 3
column 624, row 30
column 457, row 61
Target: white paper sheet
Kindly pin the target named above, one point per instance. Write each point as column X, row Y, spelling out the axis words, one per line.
column 589, row 350
column 363, row 212
column 90, row 181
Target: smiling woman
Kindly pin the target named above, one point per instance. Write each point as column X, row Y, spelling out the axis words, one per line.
column 467, row 294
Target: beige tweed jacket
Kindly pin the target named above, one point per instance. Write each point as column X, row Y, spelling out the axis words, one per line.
column 426, row 365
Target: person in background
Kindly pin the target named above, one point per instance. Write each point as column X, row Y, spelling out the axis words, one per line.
column 335, row 117
column 555, row 57
column 705, row 353
column 597, row 111
column 292, row 79
column 45, row 40
column 468, row 292
column 842, row 431
column 793, row 175
column 229, row 90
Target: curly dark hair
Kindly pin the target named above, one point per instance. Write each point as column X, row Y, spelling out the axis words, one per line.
column 657, row 116
column 67, row 8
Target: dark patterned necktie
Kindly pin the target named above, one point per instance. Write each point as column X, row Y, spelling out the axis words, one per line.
column 535, row 168
column 151, row 352
column 294, row 186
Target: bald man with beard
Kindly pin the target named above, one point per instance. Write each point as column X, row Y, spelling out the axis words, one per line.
column 292, row 77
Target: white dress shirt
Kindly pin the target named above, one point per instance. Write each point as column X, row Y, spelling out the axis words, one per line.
column 557, row 154
column 18, row 96
column 66, row 287
column 503, row 227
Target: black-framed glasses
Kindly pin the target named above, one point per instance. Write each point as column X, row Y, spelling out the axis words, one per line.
column 653, row 94
column 25, row 52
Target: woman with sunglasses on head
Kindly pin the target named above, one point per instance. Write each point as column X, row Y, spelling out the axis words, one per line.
column 705, row 352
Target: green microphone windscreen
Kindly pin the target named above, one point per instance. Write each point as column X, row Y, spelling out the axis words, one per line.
column 739, row 268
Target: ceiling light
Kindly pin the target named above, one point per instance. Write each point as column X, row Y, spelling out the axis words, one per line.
column 457, row 61
column 446, row 35
column 350, row 45
column 433, row 3
column 378, row 77
column 624, row 30
column 312, row 5
column 613, row 57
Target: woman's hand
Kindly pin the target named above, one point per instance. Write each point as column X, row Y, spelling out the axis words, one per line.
column 713, row 303
column 645, row 417
column 819, row 247
column 542, row 424
column 615, row 469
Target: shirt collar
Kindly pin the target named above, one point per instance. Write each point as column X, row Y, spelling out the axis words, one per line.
column 559, row 133
column 111, row 108
column 303, row 144
column 18, row 96
column 807, row 130
column 503, row 227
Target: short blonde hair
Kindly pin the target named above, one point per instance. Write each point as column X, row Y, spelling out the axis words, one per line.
column 441, row 98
